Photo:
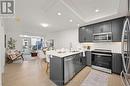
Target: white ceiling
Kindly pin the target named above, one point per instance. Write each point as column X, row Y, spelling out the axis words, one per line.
column 34, row 12
column 86, row 8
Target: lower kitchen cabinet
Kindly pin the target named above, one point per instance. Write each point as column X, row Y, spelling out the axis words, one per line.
column 116, row 63
column 88, row 57
column 62, row 70
column 79, row 62
column 56, row 70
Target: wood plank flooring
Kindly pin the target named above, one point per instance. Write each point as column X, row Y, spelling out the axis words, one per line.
column 32, row 73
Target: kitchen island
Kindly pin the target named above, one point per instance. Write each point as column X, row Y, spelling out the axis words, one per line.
column 65, row 65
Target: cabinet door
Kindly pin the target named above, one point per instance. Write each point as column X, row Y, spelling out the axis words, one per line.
column 82, row 33
column 56, row 70
column 88, row 56
column 98, row 28
column 77, row 64
column 117, row 27
column 89, row 33
column 116, row 63
column 102, row 27
column 106, row 27
column 86, row 34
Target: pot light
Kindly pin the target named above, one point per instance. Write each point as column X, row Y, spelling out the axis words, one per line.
column 96, row 10
column 59, row 14
column 71, row 20
column 44, row 25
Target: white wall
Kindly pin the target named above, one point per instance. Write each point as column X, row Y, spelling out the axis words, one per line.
column 2, row 51
column 14, row 29
column 16, row 37
column 65, row 37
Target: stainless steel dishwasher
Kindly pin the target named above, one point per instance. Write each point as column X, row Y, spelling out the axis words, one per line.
column 69, row 71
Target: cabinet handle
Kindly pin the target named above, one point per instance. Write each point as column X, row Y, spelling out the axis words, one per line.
column 102, row 54
column 101, row 30
column 69, row 59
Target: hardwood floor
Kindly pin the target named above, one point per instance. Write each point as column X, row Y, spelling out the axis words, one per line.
column 33, row 73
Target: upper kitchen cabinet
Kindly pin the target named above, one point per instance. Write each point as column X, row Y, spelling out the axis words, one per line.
column 102, row 27
column 117, row 27
column 86, row 34
column 102, row 32
column 107, row 31
column 82, row 34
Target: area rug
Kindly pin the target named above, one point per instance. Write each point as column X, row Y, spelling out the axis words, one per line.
column 96, row 78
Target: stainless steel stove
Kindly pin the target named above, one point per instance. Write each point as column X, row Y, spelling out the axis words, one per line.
column 102, row 60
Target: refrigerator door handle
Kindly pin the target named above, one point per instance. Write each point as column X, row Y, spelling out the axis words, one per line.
column 127, row 53
column 122, row 44
column 124, row 80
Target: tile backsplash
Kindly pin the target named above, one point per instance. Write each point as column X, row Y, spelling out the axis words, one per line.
column 114, row 46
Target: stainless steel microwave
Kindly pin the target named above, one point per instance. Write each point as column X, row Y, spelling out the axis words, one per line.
column 102, row 36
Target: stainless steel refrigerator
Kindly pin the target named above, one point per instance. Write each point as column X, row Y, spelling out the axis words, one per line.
column 125, row 74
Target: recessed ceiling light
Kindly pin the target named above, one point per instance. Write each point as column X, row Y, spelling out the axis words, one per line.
column 59, row 14
column 96, row 10
column 44, row 25
column 71, row 20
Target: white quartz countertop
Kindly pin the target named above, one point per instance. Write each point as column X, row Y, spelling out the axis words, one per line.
column 62, row 54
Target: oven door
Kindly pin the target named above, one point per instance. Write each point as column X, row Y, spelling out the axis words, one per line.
column 102, row 60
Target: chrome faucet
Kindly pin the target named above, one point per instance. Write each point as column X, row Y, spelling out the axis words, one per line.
column 70, row 46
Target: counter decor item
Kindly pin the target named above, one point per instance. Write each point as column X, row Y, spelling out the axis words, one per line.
column 88, row 47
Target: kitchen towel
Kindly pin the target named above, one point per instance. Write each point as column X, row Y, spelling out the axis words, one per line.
column 83, row 53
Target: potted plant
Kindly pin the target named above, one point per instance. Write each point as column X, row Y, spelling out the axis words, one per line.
column 11, row 43
column 34, row 51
